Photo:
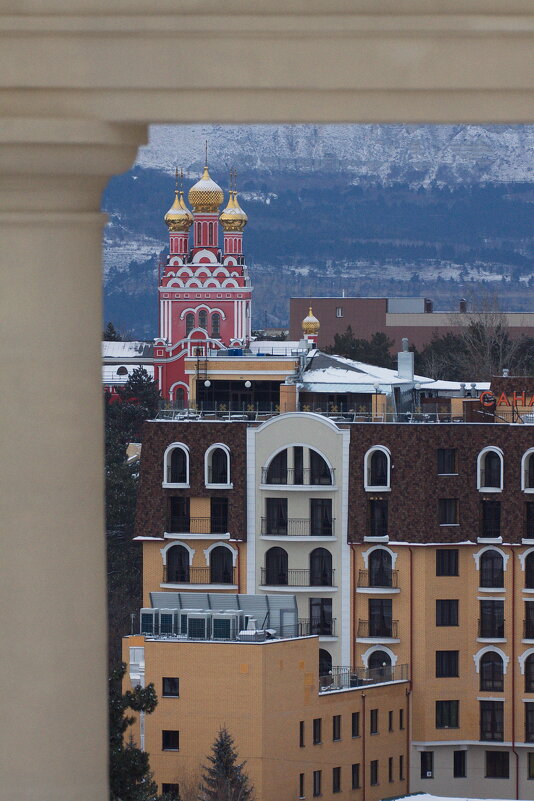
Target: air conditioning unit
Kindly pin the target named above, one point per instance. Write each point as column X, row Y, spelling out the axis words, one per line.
column 198, row 625
column 148, row 621
column 183, row 620
column 168, row 621
column 225, row 625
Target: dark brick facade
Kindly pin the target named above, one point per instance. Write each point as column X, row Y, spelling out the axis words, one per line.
column 152, row 500
column 416, row 485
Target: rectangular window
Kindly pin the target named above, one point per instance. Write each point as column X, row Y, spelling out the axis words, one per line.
column 317, row 730
column 390, row 769
column 531, row 764
column 459, row 771
column 447, row 612
column 171, row 687
column 447, row 714
column 301, row 734
column 298, row 464
column 170, row 740
column 492, row 720
column 529, row 512
column 339, row 311
column 427, row 764
column 336, row 727
column 373, row 722
column 179, row 515
column 301, row 785
column 356, row 776
column 380, row 617
column 491, row 519
column 401, row 768
column 446, row 461
column 448, row 511
column 491, row 622
column 378, row 518
column 321, row 616
column 355, row 724
column 390, row 720
column 219, row 515
column 401, row 719
column 446, row 561
column 316, row 783
column 171, row 790
column 373, row 772
column 336, row 780
column 497, row 765
column 276, row 517
column 321, row 517
column 529, row 722
column 529, row 620
column 446, row 664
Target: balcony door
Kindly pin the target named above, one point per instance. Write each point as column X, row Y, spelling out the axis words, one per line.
column 321, row 517
column 321, row 616
column 380, row 617
column 276, row 509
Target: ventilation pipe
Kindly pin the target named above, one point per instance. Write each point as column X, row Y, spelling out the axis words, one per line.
column 405, row 361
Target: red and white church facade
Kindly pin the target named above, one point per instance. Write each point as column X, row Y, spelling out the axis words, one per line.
column 204, row 291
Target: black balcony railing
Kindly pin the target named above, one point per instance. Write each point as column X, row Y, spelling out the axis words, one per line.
column 297, row 527
column 490, row 532
column 378, row 628
column 491, row 628
column 297, row 476
column 325, row 627
column 297, row 578
column 339, row 678
column 378, row 578
column 199, row 575
column 180, row 524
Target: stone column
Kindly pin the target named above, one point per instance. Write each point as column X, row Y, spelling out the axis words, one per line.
column 52, row 570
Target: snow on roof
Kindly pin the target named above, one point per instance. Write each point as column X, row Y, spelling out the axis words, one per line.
column 328, row 369
column 455, row 385
column 274, row 347
column 428, row 797
column 111, row 376
column 128, row 350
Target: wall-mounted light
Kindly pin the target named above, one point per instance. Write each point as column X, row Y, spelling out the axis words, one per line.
column 207, row 383
column 248, row 384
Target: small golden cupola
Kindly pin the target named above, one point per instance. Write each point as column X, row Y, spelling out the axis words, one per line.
column 206, row 196
column 178, row 218
column 233, row 218
column 310, row 324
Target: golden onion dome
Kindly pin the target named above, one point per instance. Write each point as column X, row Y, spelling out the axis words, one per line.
column 178, row 218
column 233, row 218
column 206, row 195
column 310, row 324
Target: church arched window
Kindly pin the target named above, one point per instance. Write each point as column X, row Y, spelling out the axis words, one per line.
column 203, row 319
column 216, row 324
column 189, row 323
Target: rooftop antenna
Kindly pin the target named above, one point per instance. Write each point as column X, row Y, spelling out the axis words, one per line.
column 176, row 176
column 181, row 179
column 206, row 162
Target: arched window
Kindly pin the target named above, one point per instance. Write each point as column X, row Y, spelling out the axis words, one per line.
column 218, row 466
column 198, row 227
column 221, row 566
column 490, row 470
column 178, row 564
column 380, row 573
column 529, row 571
column 179, row 398
column 122, row 371
column 491, row 569
column 379, row 666
column 527, row 471
column 491, row 672
column 177, row 464
column 325, row 662
column 210, row 230
column 321, row 573
column 189, row 323
column 277, row 470
column 377, row 469
column 203, row 319
column 319, row 471
column 276, row 572
column 529, row 674
column 216, row 325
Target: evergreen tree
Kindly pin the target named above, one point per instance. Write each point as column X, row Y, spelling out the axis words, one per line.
column 376, row 351
column 142, row 390
column 130, row 777
column 223, row 779
column 110, row 334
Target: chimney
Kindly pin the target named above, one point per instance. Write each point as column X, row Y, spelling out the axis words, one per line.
column 429, row 306
column 463, row 306
column 405, row 364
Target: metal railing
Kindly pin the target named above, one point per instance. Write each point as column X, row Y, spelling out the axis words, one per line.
column 325, row 627
column 491, row 629
column 297, row 577
column 490, row 532
column 197, row 525
column 340, row 678
column 296, row 527
column 383, row 628
column 199, row 575
column 296, row 476
column 378, row 578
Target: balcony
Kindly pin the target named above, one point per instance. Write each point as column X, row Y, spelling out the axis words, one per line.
column 385, row 629
column 181, row 524
column 199, row 575
column 341, row 678
column 297, row 527
column 297, row 578
column 323, row 628
column 380, row 579
column 491, row 629
column 295, row 476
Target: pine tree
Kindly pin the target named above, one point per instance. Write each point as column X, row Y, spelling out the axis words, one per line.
column 223, row 779
column 110, row 334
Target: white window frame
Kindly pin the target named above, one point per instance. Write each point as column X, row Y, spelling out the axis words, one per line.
column 207, row 552
column 207, row 462
column 166, row 465
column 524, row 471
column 367, row 470
column 373, row 648
column 486, row 650
column 480, row 458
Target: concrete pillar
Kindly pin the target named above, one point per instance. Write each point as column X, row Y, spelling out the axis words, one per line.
column 52, row 576
column 288, row 398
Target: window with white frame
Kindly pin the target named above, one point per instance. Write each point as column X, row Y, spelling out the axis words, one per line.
column 377, row 469
column 490, row 470
column 217, row 466
column 527, row 471
column 176, row 465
